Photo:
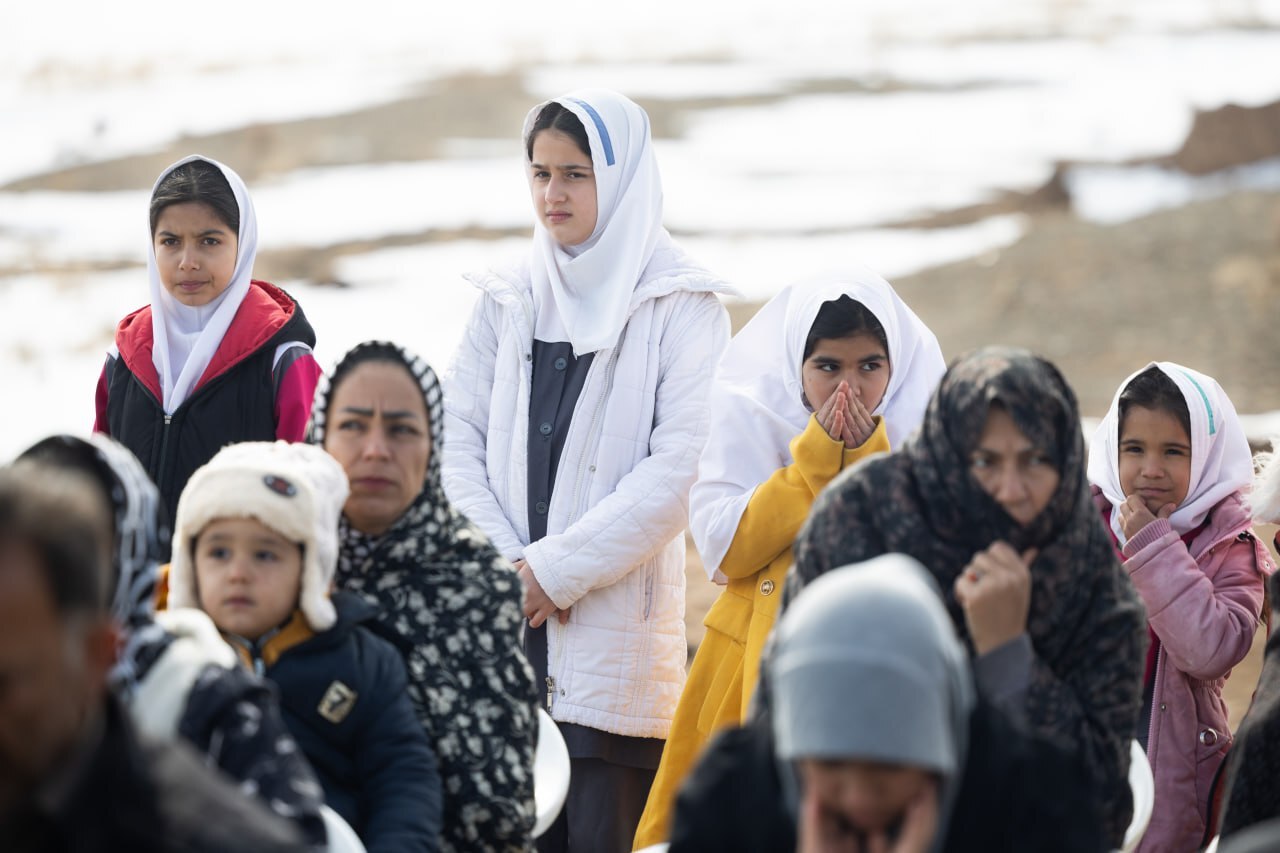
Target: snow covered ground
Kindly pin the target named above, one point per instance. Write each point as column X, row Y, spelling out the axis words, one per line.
column 955, row 102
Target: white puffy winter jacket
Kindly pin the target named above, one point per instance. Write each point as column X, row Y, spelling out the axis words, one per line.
column 614, row 549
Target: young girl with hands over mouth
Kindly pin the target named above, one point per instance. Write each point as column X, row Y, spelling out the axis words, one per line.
column 830, row 371
column 1170, row 465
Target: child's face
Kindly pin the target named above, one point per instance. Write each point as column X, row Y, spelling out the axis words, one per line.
column 563, row 186
column 248, row 577
column 1155, row 457
column 195, row 252
column 859, row 360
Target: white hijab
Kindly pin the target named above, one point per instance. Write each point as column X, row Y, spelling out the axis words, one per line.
column 758, row 396
column 187, row 337
column 583, row 293
column 1221, row 462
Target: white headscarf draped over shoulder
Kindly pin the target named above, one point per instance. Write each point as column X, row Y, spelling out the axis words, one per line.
column 757, row 402
column 584, row 294
column 1221, row 462
column 187, row 337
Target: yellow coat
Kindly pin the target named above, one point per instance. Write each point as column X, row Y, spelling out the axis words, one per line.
column 723, row 676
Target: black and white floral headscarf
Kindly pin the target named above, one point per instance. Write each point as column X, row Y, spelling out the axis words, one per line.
column 140, row 540
column 453, row 602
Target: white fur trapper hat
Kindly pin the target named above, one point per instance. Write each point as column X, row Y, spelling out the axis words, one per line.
column 297, row 490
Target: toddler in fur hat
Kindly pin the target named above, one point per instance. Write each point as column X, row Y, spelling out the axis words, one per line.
column 255, row 546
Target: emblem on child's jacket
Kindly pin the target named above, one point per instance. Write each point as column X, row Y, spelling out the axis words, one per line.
column 338, row 701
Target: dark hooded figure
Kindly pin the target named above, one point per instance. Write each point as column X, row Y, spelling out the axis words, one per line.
column 876, row 738
column 991, row 496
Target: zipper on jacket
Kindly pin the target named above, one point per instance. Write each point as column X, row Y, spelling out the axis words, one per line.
column 648, row 590
column 1155, row 708
column 553, row 625
column 162, row 472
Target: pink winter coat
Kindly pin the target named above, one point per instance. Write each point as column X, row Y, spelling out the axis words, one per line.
column 1203, row 602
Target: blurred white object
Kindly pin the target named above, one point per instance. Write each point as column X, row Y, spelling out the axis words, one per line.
column 342, row 838
column 1143, row 785
column 656, row 848
column 550, row 773
column 1213, row 846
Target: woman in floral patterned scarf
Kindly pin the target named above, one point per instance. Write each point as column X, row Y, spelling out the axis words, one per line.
column 991, row 496
column 447, row 598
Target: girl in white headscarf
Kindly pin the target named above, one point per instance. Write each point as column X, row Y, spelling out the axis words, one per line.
column 216, row 357
column 1170, row 465
column 875, row 739
column 830, row 371
column 576, row 408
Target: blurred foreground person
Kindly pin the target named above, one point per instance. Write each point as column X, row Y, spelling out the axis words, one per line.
column 174, row 674
column 1253, row 768
column 873, row 738
column 73, row 775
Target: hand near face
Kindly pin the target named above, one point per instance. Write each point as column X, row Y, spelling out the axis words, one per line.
column 919, row 826
column 845, row 418
column 995, row 592
column 823, row 831
column 1134, row 515
column 538, row 606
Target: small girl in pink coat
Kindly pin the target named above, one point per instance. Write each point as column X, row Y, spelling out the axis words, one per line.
column 1170, row 465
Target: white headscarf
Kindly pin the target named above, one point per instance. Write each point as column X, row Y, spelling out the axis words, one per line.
column 187, row 337
column 1221, row 462
column 758, row 397
column 584, row 293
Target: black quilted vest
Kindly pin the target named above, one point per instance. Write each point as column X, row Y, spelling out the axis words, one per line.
column 237, row 405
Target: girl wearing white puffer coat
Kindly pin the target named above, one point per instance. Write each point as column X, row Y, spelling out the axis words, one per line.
column 576, row 409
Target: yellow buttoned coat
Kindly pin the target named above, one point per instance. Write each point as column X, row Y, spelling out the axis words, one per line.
column 723, row 676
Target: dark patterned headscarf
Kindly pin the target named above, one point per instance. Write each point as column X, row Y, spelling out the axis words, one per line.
column 453, row 603
column 140, row 540
column 1086, row 623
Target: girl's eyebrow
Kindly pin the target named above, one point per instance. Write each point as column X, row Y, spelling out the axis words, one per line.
column 565, row 166
column 204, row 233
column 867, row 359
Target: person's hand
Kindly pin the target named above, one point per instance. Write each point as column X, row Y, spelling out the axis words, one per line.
column 919, row 826
column 538, row 606
column 845, row 418
column 995, row 592
column 821, row 831
column 1134, row 515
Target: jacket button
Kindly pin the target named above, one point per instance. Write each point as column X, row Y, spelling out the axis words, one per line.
column 1161, row 706
column 541, row 509
column 1208, row 737
column 766, row 587
column 528, row 356
column 561, row 363
column 545, row 428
